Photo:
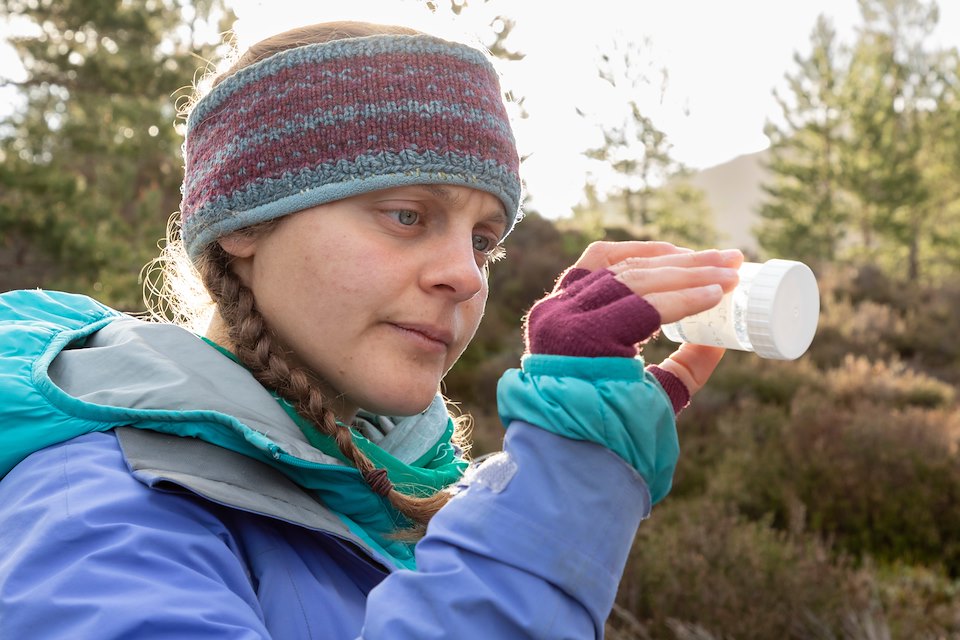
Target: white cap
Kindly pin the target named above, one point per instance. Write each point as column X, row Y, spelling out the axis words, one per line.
column 783, row 308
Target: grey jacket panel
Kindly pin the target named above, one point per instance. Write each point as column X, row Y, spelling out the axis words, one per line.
column 224, row 477
column 132, row 364
column 141, row 365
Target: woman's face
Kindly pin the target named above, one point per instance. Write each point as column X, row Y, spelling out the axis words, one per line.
column 378, row 294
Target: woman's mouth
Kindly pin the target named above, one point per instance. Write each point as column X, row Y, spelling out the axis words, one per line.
column 429, row 337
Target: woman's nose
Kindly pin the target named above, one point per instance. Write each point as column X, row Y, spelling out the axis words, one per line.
column 452, row 267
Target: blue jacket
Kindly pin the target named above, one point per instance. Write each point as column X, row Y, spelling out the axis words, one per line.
column 115, row 524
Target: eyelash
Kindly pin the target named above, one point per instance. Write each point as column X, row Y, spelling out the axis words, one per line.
column 495, row 254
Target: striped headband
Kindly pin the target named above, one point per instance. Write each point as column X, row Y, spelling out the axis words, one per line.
column 327, row 121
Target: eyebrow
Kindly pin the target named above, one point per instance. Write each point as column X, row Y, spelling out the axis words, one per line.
column 500, row 217
column 441, row 192
column 448, row 196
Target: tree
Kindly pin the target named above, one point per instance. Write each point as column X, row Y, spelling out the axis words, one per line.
column 806, row 210
column 500, row 26
column 649, row 190
column 865, row 167
column 894, row 90
column 939, row 244
column 683, row 214
column 91, row 168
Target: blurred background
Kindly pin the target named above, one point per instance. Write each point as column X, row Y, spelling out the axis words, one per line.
column 818, row 498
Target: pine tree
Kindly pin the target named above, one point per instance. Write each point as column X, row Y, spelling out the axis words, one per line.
column 894, row 93
column 865, row 166
column 805, row 213
column 942, row 173
column 90, row 167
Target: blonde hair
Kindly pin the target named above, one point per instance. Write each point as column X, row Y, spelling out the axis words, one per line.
column 179, row 290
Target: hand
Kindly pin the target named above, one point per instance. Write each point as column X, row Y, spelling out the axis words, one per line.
column 680, row 283
column 677, row 285
column 591, row 312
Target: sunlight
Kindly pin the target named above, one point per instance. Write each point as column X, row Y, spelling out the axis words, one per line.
column 723, row 61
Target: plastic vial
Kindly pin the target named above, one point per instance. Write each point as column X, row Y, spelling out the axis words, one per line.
column 773, row 312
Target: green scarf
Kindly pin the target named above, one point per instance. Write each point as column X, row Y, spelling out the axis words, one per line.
column 350, row 496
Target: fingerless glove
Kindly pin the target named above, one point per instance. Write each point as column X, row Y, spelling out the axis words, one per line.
column 592, row 314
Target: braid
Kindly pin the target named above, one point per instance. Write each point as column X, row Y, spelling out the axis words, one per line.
column 257, row 349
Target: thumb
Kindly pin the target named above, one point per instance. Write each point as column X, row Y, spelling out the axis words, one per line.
column 693, row 364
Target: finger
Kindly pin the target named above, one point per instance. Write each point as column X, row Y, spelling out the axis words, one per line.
column 676, row 305
column 693, row 364
column 730, row 258
column 645, row 281
column 600, row 255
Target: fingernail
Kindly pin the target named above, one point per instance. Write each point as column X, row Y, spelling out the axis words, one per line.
column 730, row 254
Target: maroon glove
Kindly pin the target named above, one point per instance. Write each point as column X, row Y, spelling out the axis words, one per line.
column 592, row 314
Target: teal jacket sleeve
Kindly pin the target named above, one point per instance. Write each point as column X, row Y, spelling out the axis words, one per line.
column 612, row 402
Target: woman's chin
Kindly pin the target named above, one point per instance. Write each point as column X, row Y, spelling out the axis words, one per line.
column 401, row 404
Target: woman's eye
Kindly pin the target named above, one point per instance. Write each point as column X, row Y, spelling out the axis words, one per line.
column 406, row 217
column 482, row 243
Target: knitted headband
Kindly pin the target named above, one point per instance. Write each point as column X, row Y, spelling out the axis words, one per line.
column 323, row 122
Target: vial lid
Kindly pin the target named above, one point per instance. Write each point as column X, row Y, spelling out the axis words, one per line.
column 783, row 309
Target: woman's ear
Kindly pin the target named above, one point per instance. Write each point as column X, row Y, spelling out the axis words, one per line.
column 242, row 247
column 239, row 244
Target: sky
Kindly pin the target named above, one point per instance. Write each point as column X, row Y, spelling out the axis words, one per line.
column 723, row 60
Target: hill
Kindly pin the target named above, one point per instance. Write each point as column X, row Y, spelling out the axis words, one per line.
column 733, row 192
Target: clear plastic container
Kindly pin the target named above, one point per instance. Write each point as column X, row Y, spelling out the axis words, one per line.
column 773, row 312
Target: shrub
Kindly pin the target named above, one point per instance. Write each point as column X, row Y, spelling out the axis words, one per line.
column 698, row 565
column 917, row 602
column 848, row 325
column 877, row 481
column 932, row 324
column 868, row 313
column 891, row 383
column 742, row 375
column 700, row 571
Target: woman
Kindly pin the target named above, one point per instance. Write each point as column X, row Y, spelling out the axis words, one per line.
column 345, row 187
